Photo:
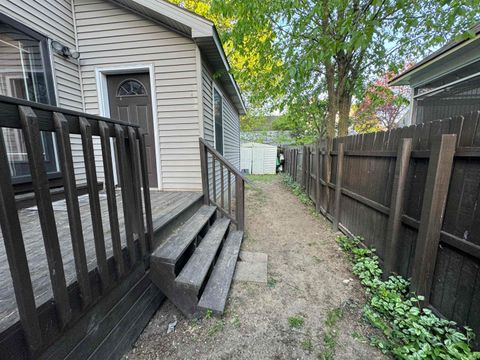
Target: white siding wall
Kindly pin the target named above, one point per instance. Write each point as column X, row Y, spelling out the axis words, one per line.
column 111, row 36
column 54, row 19
column 231, row 119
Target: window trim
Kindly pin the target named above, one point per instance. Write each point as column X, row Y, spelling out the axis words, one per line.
column 45, row 52
column 22, row 184
column 217, row 89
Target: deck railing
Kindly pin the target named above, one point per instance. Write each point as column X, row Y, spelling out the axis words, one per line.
column 217, row 184
column 71, row 301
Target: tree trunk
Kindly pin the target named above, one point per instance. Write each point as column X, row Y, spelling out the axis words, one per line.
column 344, row 104
column 332, row 104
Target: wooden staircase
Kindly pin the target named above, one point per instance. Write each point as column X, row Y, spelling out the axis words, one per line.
column 194, row 267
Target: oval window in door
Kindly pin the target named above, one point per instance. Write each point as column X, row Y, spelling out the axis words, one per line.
column 131, row 87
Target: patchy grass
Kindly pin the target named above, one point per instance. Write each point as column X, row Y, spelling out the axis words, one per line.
column 296, row 321
column 262, row 178
column 297, row 190
column 307, row 344
column 216, row 327
column 330, row 336
column 235, row 321
column 271, row 282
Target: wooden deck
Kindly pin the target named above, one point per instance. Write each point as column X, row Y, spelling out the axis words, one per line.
column 165, row 206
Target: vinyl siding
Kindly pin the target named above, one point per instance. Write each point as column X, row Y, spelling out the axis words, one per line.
column 231, row 119
column 54, row 19
column 231, row 125
column 110, row 36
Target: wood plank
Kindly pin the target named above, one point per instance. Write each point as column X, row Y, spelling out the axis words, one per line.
column 16, row 256
column 204, row 171
column 338, row 186
column 73, row 208
column 240, row 202
column 436, row 189
column 215, row 295
column 146, row 186
column 95, row 210
column 136, row 191
column 124, row 186
column 396, row 206
column 195, row 271
column 111, row 198
column 222, row 187
column 33, row 144
column 174, row 247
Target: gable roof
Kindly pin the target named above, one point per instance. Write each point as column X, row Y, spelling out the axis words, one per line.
column 447, row 50
column 201, row 30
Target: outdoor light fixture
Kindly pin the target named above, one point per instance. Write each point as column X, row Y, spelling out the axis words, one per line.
column 64, row 50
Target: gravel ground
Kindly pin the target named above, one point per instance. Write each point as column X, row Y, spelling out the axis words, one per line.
column 309, row 309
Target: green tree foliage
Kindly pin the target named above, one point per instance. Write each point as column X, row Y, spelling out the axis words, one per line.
column 309, row 49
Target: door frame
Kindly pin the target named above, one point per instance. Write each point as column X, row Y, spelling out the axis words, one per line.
column 104, row 106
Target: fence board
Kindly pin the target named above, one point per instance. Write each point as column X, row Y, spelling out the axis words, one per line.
column 371, row 191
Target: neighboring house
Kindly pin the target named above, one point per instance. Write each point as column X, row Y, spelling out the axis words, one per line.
column 144, row 61
column 446, row 83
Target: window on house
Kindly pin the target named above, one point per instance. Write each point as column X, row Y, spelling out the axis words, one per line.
column 25, row 73
column 218, row 115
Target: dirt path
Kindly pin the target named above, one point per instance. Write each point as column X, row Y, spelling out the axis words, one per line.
column 310, row 308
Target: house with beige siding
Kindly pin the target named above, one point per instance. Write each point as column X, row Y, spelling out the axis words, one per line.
column 143, row 61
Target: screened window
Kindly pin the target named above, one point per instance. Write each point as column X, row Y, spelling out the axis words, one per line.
column 218, row 115
column 25, row 74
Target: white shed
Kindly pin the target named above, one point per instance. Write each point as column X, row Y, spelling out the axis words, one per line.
column 258, row 158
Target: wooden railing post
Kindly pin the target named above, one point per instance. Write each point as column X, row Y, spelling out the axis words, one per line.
column 396, row 206
column 111, row 198
column 73, row 208
column 16, row 256
column 33, row 143
column 433, row 208
column 240, row 203
column 204, row 170
column 338, row 185
column 146, row 186
column 94, row 200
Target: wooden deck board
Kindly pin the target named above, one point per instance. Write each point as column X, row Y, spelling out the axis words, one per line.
column 162, row 205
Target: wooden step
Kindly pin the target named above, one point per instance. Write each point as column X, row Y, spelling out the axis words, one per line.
column 174, row 247
column 196, row 269
column 214, row 296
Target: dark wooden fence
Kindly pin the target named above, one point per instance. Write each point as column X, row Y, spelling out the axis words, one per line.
column 414, row 195
column 42, row 325
column 218, row 176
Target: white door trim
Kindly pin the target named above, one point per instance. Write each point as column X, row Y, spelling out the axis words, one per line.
column 104, row 108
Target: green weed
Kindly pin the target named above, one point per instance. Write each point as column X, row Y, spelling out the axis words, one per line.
column 296, row 321
column 307, row 344
column 216, row 327
column 410, row 332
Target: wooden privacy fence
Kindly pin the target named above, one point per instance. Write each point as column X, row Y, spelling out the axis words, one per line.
column 218, row 175
column 414, row 195
column 42, row 325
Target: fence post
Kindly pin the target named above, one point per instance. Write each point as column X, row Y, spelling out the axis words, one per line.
column 328, row 175
column 338, row 185
column 396, row 206
column 431, row 219
column 317, row 175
